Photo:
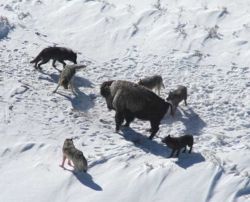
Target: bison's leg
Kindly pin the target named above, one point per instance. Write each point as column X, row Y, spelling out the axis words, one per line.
column 129, row 117
column 184, row 149
column 119, row 118
column 185, row 102
column 172, row 153
column 154, row 128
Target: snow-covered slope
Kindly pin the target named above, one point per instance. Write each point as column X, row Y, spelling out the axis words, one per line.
column 201, row 44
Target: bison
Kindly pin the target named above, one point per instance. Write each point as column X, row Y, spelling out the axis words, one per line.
column 131, row 100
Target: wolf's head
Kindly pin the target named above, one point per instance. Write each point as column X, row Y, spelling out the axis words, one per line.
column 166, row 139
column 68, row 142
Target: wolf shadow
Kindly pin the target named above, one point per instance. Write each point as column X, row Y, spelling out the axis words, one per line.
column 191, row 120
column 142, row 142
column 85, row 179
column 77, row 80
column 187, row 160
column 80, row 101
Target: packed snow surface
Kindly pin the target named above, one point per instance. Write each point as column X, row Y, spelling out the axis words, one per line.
column 203, row 45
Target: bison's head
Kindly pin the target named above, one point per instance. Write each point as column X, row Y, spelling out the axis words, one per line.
column 106, row 93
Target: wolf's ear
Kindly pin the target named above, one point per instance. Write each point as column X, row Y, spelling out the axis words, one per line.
column 168, row 135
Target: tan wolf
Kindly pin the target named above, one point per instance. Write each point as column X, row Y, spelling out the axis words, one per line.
column 152, row 82
column 66, row 77
column 71, row 153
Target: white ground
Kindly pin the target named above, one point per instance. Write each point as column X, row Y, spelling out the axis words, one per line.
column 201, row 44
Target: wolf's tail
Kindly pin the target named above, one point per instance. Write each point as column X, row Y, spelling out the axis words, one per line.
column 37, row 58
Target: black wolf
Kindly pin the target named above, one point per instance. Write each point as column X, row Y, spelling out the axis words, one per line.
column 177, row 143
column 56, row 54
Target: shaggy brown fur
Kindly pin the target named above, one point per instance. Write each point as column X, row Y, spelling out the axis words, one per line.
column 131, row 100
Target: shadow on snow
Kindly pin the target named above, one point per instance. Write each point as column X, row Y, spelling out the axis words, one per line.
column 85, row 179
column 185, row 160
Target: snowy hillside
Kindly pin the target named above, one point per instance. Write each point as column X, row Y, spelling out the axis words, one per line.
column 204, row 45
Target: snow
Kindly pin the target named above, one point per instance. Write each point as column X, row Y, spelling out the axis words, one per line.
column 203, row 45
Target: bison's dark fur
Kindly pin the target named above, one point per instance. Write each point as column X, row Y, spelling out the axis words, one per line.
column 177, row 143
column 56, row 54
column 131, row 100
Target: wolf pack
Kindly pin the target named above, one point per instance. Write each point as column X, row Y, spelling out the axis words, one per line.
column 128, row 99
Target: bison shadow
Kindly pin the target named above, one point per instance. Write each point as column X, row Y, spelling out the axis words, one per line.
column 85, row 179
column 190, row 119
column 142, row 142
column 185, row 160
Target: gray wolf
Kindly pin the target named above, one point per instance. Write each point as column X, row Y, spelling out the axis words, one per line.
column 152, row 82
column 66, row 77
column 56, row 54
column 176, row 96
column 177, row 143
column 131, row 100
column 76, row 156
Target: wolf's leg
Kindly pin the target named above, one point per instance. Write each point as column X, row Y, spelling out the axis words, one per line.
column 69, row 163
column 54, row 63
column 42, row 62
column 63, row 161
column 71, row 84
column 61, row 61
column 36, row 64
column 57, row 87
